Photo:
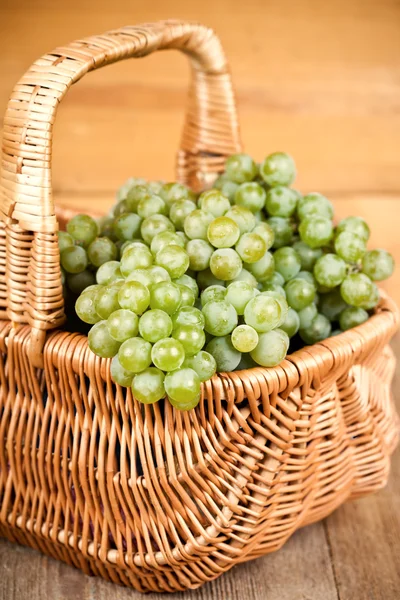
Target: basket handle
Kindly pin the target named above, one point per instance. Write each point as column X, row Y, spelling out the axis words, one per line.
column 210, row 134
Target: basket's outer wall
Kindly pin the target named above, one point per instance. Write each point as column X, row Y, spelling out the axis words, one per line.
column 148, row 496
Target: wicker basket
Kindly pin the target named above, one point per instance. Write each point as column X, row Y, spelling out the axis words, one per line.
column 148, row 496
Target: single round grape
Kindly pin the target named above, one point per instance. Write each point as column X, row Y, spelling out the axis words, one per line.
column 291, row 324
column 373, row 300
column 206, row 279
column 192, row 338
column 212, row 293
column 148, row 386
column 263, row 268
column 165, row 238
column 151, row 205
column 172, row 192
column 135, row 258
column 220, row 317
column 240, row 168
column 263, row 313
column 154, row 225
column 238, row 293
column 308, row 256
column 316, row 231
column 196, row 224
column 274, row 288
column 355, row 225
column 281, row 201
column 135, row 195
column 127, row 226
column 356, row 289
column 307, row 276
column 101, row 250
column 174, row 260
column 223, row 232
column 227, row 187
column 314, row 205
column 74, row 259
column 78, row 282
column 180, row 210
column 244, row 338
column 299, row 293
column 271, row 349
column 187, row 295
column 212, row 201
column 128, row 185
column 378, row 264
column 157, row 274
column 188, row 315
column 155, row 325
column 120, row 375
column 109, row 272
column 225, row 355
column 287, row 262
column 85, row 307
column 250, row 195
column 143, row 276
column 332, row 304
column 266, row 232
column 246, row 276
column 155, row 186
column 203, row 363
column 330, row 270
column 134, row 296
column 128, row 244
column 319, row 329
column 278, row 169
column 283, row 231
column 65, row 240
column 107, row 301
column 243, row 218
column 251, row 247
column 100, row 341
column 183, row 388
column 351, row 317
column 123, row 324
column 199, row 252
column 135, row 355
column 307, row 315
column 83, row 229
column 165, row 296
column 350, row 246
column 225, row 264
column 188, row 282
column 276, row 278
column 168, row 354
column 120, row 209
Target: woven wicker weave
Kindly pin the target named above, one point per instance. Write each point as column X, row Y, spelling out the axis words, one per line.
column 148, row 496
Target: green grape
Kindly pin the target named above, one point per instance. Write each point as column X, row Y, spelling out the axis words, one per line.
column 172, row 192
column 291, row 324
column 65, row 240
column 192, row 338
column 168, row 354
column 307, row 276
column 319, row 329
column 244, row 338
column 132, row 244
column 274, row 288
column 157, row 274
column 250, row 195
column 106, row 301
column 165, row 296
column 127, row 226
column 199, row 252
column 120, row 375
column 134, row 296
column 135, row 355
column 266, row 232
column 278, row 169
column 263, row 313
column 246, row 363
column 336, row 332
column 165, row 238
column 246, row 276
column 155, row 187
column 212, row 293
column 314, row 205
column 155, row 325
column 123, row 324
column 287, row 262
column 78, row 282
column 109, row 272
column 206, row 279
column 240, row 168
column 220, row 317
column 243, row 217
column 143, row 276
column 332, row 304
column 316, row 231
column 135, row 195
column 276, row 278
column 225, row 264
column 355, row 225
column 238, row 293
column 350, row 246
column 100, row 341
column 83, row 229
column 356, row 289
column 308, row 256
column 102, row 250
column 183, row 388
column 154, row 225
column 251, row 247
column 196, row 224
column 307, row 315
column 180, row 210
column 299, row 293
column 85, row 307
column 227, row 187
column 351, row 317
column 107, row 230
column 120, row 209
column 263, row 268
column 183, row 237
column 148, row 386
column 373, row 300
column 223, row 232
column 203, row 363
column 187, row 295
column 188, row 282
column 212, row 201
column 151, row 205
column 128, row 185
column 271, row 349
column 283, row 231
column 378, row 264
column 188, row 315
column 281, row 201
column 135, row 258
column 330, row 270
column 74, row 259
column 174, row 260
column 225, row 355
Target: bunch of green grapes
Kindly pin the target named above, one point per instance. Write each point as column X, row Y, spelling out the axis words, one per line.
column 177, row 287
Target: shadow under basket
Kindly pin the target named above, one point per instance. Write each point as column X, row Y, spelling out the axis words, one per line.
column 147, row 496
